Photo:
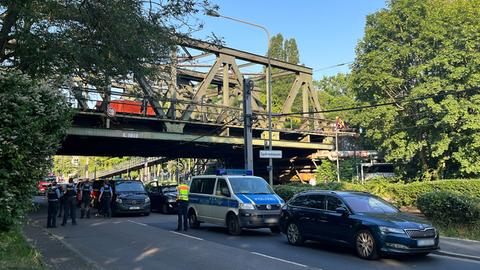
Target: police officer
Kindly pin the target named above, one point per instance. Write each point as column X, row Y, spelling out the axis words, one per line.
column 182, row 200
column 105, row 199
column 86, row 198
column 53, row 195
column 70, row 203
column 61, row 204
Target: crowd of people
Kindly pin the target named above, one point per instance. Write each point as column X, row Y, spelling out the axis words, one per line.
column 67, row 198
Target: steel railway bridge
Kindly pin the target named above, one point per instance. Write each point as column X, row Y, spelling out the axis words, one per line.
column 195, row 111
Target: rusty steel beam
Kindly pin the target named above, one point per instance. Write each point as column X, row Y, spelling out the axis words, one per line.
column 254, row 58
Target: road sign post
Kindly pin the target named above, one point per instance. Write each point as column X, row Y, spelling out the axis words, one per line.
column 247, row 124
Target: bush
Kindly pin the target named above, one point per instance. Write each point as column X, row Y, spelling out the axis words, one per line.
column 401, row 194
column 446, row 207
column 33, row 119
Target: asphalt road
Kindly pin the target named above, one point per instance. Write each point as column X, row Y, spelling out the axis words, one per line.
column 132, row 242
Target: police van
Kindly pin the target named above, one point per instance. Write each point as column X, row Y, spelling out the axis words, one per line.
column 235, row 199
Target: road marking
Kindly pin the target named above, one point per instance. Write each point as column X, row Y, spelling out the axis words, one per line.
column 186, row 235
column 139, row 223
column 278, row 259
column 455, row 258
column 453, row 254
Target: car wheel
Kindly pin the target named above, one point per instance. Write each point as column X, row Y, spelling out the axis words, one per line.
column 164, row 209
column 365, row 245
column 233, row 225
column 147, row 214
column 275, row 230
column 192, row 220
column 294, row 236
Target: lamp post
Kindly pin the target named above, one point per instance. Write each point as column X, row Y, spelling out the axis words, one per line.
column 215, row 13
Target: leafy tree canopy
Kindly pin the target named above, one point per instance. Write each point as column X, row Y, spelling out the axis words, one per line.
column 411, row 49
column 95, row 40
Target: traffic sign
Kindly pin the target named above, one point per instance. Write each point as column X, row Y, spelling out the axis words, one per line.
column 270, row 154
column 111, row 112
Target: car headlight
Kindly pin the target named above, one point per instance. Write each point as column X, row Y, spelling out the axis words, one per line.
column 387, row 230
column 147, row 200
column 247, row 206
column 118, row 200
column 172, row 200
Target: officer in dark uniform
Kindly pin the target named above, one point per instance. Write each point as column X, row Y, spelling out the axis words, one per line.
column 53, row 195
column 61, row 203
column 86, row 200
column 70, row 203
column 105, row 199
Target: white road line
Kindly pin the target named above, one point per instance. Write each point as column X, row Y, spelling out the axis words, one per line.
column 139, row 223
column 186, row 235
column 455, row 258
column 278, row 259
column 464, row 256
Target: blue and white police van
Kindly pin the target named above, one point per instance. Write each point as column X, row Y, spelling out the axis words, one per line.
column 235, row 199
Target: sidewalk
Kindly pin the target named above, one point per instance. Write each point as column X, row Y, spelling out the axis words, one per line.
column 56, row 253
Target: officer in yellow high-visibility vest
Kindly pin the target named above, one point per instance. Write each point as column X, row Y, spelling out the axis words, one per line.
column 182, row 201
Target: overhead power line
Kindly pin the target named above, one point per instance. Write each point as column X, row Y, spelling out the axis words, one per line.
column 442, row 93
column 334, row 66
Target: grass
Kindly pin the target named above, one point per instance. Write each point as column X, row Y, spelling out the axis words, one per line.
column 17, row 253
column 471, row 232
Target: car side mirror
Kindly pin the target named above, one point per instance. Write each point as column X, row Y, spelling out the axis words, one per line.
column 342, row 210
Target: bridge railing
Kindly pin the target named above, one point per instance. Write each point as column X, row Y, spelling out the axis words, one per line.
column 205, row 111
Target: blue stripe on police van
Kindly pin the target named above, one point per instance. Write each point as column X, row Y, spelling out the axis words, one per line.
column 210, row 200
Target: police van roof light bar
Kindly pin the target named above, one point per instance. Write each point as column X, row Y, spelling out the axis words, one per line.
column 234, row 172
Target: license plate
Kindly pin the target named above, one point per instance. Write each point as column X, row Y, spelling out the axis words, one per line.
column 425, row 242
column 134, row 207
column 271, row 220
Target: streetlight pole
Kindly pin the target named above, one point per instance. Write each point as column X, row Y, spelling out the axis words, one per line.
column 214, row 13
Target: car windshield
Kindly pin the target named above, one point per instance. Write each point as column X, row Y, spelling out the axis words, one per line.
column 250, row 185
column 368, row 204
column 169, row 189
column 129, row 187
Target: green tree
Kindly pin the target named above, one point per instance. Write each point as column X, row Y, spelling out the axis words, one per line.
column 284, row 50
column 43, row 43
column 33, row 119
column 411, row 49
column 336, row 92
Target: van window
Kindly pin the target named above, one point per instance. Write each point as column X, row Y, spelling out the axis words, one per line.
column 250, row 185
column 202, row 185
column 222, row 185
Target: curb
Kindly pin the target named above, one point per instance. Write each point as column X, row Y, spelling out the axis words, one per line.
column 89, row 261
column 456, row 255
column 460, row 239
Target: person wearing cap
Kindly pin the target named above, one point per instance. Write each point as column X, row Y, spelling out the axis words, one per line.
column 53, row 195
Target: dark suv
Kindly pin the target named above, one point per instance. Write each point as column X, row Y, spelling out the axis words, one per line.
column 363, row 221
column 129, row 196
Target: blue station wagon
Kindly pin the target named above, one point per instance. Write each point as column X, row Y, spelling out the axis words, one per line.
column 363, row 221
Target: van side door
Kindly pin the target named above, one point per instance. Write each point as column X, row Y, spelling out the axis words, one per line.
column 221, row 201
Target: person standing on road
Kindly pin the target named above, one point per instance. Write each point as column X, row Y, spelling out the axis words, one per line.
column 53, row 195
column 182, row 200
column 61, row 200
column 70, row 203
column 105, row 199
column 86, row 198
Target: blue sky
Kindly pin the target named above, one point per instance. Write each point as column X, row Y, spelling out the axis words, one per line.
column 326, row 31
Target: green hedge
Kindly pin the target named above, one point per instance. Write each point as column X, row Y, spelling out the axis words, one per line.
column 401, row 194
column 446, row 207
